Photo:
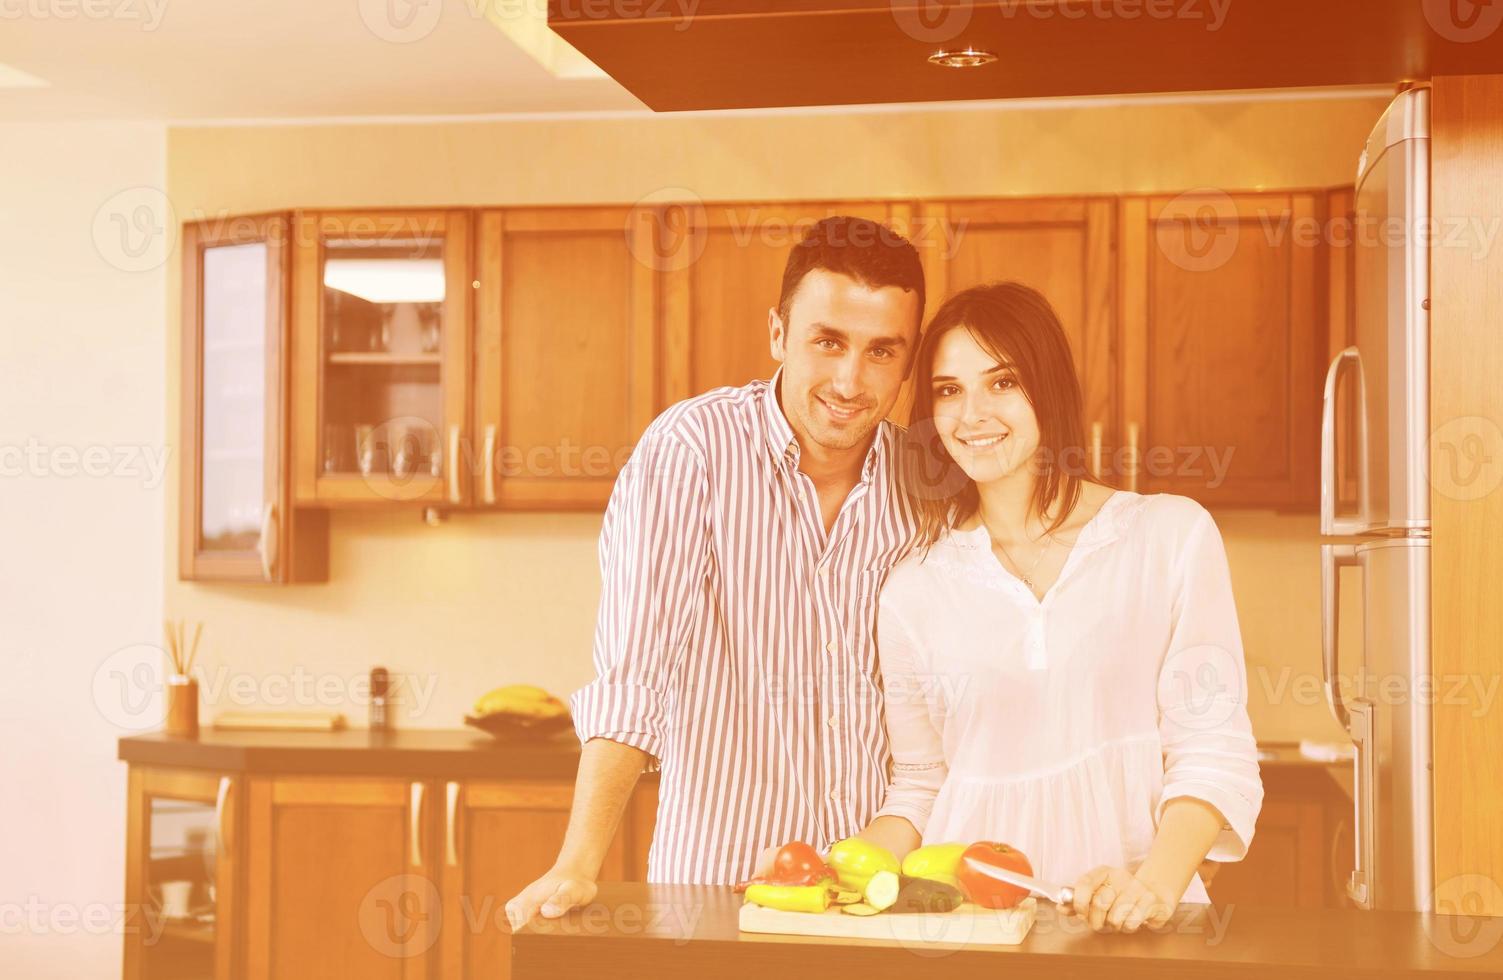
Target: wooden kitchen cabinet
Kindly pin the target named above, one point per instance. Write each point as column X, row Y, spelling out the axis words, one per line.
column 721, row 268
column 1222, row 335
column 235, row 519
column 381, row 357
column 340, row 878
column 565, row 365
column 1063, row 247
column 499, row 837
column 509, row 358
column 183, row 836
column 344, row 854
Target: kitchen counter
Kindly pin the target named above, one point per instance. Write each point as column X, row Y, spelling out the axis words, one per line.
column 688, row 931
column 450, row 753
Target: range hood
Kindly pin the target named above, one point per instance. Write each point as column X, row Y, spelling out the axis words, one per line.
column 728, row 54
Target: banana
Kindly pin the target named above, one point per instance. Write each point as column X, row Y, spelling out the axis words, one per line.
column 524, row 700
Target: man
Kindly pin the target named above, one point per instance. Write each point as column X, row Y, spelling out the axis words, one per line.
column 742, row 552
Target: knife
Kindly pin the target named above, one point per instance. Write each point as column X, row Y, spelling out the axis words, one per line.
column 1062, row 895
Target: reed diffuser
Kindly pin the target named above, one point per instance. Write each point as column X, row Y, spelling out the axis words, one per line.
column 182, row 688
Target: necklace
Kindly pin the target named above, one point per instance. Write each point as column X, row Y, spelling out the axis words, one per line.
column 1026, row 577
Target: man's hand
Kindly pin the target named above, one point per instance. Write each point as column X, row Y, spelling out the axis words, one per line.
column 1116, row 900
column 553, row 894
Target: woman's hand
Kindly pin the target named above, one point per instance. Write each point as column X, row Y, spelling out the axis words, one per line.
column 1116, row 900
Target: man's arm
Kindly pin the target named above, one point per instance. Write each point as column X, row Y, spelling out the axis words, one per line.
column 653, row 552
column 608, row 773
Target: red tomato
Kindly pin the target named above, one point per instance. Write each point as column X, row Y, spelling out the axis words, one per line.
column 987, row 891
column 796, row 863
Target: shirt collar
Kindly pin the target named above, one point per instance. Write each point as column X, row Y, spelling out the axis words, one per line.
column 783, row 444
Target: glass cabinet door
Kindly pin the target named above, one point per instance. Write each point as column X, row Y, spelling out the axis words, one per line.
column 382, row 335
column 233, row 298
column 181, row 876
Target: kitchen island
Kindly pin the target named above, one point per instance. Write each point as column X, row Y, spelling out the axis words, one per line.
column 687, row 931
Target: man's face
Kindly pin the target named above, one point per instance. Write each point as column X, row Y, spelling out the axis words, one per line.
column 845, row 351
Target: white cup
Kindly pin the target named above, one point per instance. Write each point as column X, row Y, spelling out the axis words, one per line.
column 175, row 896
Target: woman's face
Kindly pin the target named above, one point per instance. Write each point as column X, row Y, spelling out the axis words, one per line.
column 983, row 418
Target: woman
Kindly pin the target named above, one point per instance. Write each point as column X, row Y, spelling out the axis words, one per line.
column 1061, row 661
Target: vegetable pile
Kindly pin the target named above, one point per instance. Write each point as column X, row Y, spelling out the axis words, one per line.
column 863, row 878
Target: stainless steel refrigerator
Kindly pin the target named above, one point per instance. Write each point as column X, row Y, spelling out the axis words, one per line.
column 1385, row 531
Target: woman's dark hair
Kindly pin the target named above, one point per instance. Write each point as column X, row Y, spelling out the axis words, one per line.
column 1014, row 324
column 870, row 253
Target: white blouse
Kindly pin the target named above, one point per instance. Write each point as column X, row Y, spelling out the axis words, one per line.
column 1063, row 726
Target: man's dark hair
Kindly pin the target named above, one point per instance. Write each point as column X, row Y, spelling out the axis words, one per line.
column 869, row 252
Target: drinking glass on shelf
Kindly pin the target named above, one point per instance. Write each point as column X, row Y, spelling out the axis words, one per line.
column 405, row 450
column 431, row 319
column 365, row 449
column 336, row 450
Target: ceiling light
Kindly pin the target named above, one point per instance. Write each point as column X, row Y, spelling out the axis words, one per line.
column 385, row 281
column 962, row 58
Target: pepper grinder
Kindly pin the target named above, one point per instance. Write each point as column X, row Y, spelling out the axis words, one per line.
column 380, row 719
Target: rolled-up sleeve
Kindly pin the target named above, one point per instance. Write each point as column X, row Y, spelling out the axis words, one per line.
column 653, row 556
column 1209, row 750
column 908, row 694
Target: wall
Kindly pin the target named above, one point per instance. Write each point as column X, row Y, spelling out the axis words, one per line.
column 485, row 600
column 81, row 515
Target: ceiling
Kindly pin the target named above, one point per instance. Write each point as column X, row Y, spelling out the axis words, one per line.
column 289, row 59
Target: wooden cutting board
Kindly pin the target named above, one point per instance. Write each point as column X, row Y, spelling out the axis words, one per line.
column 967, row 925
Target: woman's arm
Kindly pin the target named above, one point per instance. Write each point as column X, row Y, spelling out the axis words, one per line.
column 918, row 759
column 1188, row 829
column 1210, row 754
column 1212, row 789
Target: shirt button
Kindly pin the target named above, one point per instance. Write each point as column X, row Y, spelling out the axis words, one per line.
column 824, row 571
column 830, row 646
column 832, row 721
column 834, row 796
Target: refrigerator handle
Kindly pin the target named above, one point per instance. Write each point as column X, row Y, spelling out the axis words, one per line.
column 1360, row 887
column 1333, row 557
column 1330, row 522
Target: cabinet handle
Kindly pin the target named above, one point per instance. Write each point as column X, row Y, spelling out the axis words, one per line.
column 221, row 801
column 1330, row 522
column 490, row 463
column 1132, row 456
column 451, row 808
column 267, row 546
column 1333, row 557
column 454, row 464
column 1095, row 450
column 1359, row 887
column 416, row 824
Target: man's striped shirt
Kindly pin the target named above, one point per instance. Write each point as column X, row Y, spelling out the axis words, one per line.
column 736, row 642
